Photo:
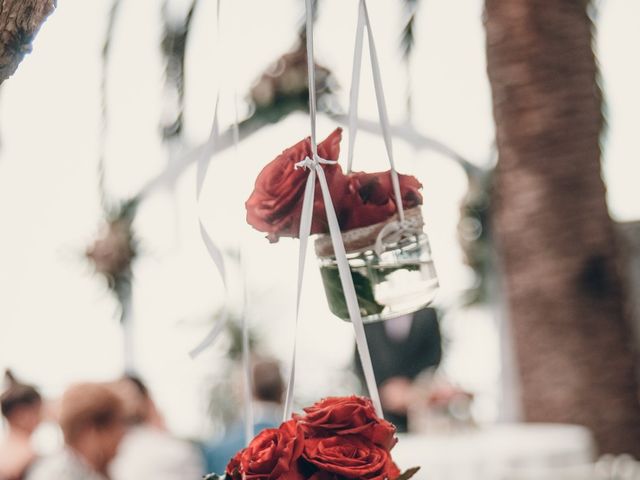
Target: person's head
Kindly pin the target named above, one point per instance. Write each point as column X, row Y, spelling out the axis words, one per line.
column 139, row 406
column 92, row 422
column 268, row 385
column 21, row 405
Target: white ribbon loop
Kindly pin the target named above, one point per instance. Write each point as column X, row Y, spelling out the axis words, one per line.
column 394, row 232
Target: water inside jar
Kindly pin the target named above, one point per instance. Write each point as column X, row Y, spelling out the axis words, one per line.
column 401, row 280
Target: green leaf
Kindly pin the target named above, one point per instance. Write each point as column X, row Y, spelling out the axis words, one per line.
column 409, row 473
column 213, row 476
column 407, row 38
column 335, row 293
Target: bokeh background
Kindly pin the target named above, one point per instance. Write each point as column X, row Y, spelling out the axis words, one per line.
column 59, row 157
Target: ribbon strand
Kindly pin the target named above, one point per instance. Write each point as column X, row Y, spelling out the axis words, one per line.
column 217, row 257
column 215, row 253
column 311, row 74
column 364, row 21
column 354, row 93
column 305, row 232
column 350, row 293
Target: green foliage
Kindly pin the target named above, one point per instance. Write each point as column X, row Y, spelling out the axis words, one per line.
column 213, row 476
column 335, row 293
column 175, row 35
column 407, row 38
column 114, row 250
column 283, row 88
column 475, row 236
column 409, row 473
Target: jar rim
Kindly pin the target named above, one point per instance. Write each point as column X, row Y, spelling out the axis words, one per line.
column 364, row 238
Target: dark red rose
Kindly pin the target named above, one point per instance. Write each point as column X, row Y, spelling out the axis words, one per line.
column 233, row 467
column 360, row 199
column 275, row 206
column 372, row 200
column 349, row 456
column 348, row 416
column 272, row 455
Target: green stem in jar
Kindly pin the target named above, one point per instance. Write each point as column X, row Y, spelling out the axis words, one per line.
column 335, row 293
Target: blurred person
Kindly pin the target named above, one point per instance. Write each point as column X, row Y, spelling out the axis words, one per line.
column 401, row 349
column 268, row 392
column 93, row 424
column 21, row 406
column 148, row 450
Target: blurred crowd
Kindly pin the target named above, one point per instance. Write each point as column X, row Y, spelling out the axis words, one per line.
column 114, row 431
column 110, row 431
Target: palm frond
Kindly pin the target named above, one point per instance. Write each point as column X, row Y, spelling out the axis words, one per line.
column 175, row 35
column 407, row 38
column 104, row 102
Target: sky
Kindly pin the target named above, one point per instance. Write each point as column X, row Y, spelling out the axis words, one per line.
column 58, row 321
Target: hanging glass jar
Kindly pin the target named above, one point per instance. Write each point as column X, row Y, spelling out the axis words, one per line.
column 392, row 268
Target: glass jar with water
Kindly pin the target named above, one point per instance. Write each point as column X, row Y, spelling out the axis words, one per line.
column 397, row 279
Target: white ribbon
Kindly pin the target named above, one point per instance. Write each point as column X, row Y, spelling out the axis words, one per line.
column 246, row 347
column 363, row 21
column 218, row 259
column 215, row 253
column 305, row 231
column 354, row 93
column 314, row 165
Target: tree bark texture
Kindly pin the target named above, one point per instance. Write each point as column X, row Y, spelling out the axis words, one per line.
column 20, row 20
column 556, row 240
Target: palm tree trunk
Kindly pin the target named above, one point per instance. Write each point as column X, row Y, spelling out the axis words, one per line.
column 555, row 237
column 20, row 20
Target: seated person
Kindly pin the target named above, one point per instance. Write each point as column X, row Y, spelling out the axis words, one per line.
column 93, row 424
column 402, row 348
column 268, row 391
column 21, row 406
column 148, row 450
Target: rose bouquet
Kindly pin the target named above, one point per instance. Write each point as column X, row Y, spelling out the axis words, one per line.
column 392, row 269
column 337, row 438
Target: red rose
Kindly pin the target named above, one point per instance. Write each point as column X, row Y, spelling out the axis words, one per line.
column 377, row 187
column 272, row 454
column 348, row 416
column 275, row 206
column 349, row 456
column 372, row 200
column 233, row 467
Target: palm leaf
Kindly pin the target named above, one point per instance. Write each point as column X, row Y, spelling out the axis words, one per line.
column 104, row 101
column 407, row 39
column 175, row 35
column 408, row 474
